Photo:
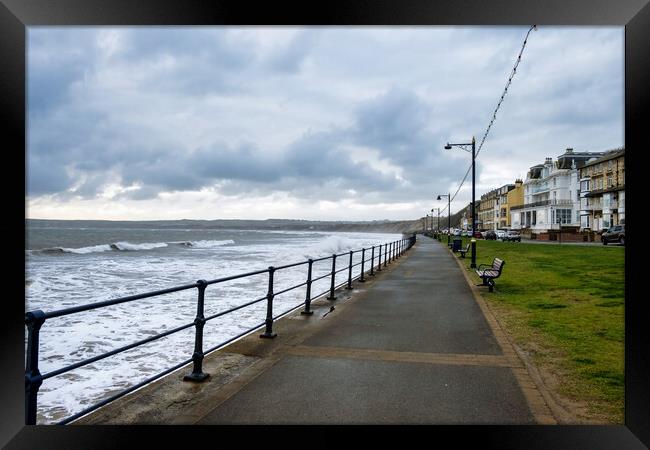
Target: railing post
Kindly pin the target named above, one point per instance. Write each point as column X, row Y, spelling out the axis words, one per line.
column 372, row 262
column 197, row 357
column 349, row 286
column 363, row 260
column 332, row 297
column 385, row 252
column 308, row 311
column 379, row 265
column 33, row 379
column 268, row 332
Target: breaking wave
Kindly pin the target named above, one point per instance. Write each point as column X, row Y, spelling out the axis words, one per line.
column 129, row 247
column 330, row 245
column 204, row 244
column 116, row 246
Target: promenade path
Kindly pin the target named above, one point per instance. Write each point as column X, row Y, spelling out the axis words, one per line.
column 413, row 345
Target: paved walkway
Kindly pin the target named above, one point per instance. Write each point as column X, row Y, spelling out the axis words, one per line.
column 413, row 347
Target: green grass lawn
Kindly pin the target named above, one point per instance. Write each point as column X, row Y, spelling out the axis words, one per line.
column 564, row 304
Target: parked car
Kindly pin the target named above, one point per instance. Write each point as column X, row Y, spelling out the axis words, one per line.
column 500, row 234
column 512, row 236
column 614, row 234
column 490, row 234
column 478, row 235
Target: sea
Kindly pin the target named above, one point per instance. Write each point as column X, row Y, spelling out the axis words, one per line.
column 70, row 264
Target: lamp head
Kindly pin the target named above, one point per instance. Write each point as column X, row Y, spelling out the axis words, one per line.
column 439, row 198
column 447, row 147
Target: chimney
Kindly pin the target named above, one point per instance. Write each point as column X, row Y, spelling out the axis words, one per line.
column 518, row 182
column 549, row 161
column 569, row 151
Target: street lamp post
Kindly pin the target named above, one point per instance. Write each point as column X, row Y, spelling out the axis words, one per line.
column 473, row 151
column 448, row 214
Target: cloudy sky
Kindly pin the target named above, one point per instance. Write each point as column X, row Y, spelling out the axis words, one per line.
column 323, row 123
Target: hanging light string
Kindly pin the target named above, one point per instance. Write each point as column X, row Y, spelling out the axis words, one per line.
column 494, row 115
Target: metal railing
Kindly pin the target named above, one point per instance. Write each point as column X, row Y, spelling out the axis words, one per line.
column 592, row 207
column 34, row 320
column 557, row 202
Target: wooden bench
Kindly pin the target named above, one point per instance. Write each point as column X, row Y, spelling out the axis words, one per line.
column 489, row 273
column 462, row 251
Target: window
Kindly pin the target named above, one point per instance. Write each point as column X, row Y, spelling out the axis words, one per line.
column 562, row 216
column 606, row 222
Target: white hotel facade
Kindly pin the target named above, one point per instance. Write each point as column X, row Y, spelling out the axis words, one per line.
column 552, row 194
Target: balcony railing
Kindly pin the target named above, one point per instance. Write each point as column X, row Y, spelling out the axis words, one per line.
column 550, row 202
column 539, row 188
column 592, row 207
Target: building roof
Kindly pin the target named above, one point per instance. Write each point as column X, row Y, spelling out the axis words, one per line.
column 569, row 158
column 610, row 154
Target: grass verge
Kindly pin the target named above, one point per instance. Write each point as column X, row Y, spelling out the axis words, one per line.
column 563, row 305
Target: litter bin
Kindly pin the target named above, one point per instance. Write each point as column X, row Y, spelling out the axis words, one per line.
column 457, row 244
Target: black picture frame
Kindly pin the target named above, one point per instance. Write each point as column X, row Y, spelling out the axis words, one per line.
column 16, row 15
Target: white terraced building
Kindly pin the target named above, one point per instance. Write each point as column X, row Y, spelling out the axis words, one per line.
column 552, row 194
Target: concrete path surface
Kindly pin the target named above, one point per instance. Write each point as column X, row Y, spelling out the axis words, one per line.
column 414, row 346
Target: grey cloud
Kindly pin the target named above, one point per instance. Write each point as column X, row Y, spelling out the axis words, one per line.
column 54, row 61
column 290, row 58
column 393, row 123
column 407, row 124
column 46, row 176
column 245, row 162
